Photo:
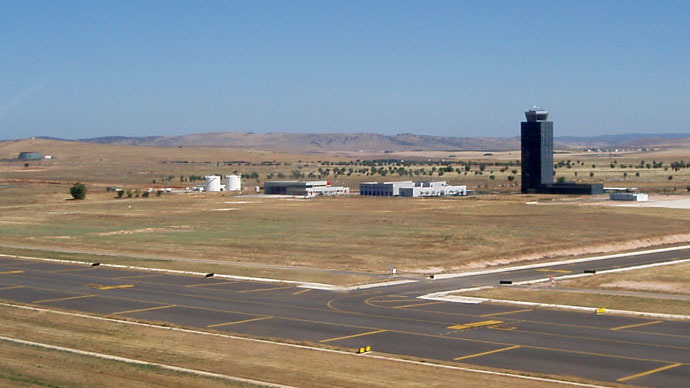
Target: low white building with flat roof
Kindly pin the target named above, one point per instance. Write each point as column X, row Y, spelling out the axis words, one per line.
column 433, row 189
column 307, row 189
column 383, row 189
column 636, row 197
column 411, row 189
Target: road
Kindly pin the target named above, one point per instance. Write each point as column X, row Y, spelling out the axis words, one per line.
column 605, row 348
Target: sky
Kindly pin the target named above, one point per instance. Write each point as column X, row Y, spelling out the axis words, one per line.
column 78, row 69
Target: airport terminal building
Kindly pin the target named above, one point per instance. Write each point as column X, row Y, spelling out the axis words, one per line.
column 304, row 188
column 411, row 189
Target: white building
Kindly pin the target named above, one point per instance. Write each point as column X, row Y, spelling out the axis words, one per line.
column 637, row 197
column 410, row 189
column 433, row 189
column 383, row 189
column 307, row 189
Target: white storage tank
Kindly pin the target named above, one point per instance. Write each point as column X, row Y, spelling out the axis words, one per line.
column 211, row 183
column 233, row 183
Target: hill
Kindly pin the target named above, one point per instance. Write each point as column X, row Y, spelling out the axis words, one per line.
column 377, row 143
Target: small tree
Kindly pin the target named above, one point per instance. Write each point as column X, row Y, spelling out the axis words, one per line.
column 78, row 191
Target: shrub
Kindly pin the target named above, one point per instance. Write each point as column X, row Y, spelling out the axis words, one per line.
column 78, row 191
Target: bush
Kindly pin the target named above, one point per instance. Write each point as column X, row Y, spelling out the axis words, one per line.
column 78, row 191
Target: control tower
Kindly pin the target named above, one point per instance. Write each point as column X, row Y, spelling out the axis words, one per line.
column 537, row 150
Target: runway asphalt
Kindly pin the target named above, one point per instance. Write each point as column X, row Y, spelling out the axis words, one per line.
column 649, row 352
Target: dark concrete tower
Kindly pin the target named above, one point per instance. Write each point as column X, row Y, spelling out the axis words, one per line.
column 536, row 135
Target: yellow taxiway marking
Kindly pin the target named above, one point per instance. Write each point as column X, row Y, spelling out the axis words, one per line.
column 415, row 305
column 267, row 289
column 301, row 291
column 485, row 353
column 636, row 325
column 554, row 270
column 649, row 372
column 61, row 299
column 474, row 324
column 207, row 284
column 352, row 336
column 237, row 322
column 505, row 313
column 115, row 287
column 146, row 309
column 10, row 272
column 10, row 288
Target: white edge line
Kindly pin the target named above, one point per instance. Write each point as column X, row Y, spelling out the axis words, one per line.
column 553, row 263
column 305, row 347
column 446, row 296
column 330, row 287
column 145, row 363
column 315, row 286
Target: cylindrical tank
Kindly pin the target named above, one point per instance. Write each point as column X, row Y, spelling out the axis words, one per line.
column 233, row 183
column 212, row 183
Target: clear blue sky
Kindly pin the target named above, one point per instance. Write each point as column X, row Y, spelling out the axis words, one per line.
column 76, row 69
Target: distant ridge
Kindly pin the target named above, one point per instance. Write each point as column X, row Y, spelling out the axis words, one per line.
column 372, row 142
column 318, row 142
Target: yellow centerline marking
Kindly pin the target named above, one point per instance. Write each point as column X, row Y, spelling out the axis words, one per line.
column 485, row 353
column 207, row 284
column 352, row 336
column 10, row 288
column 61, row 299
column 146, row 309
column 237, row 322
column 474, row 324
column 636, row 325
column 301, row 292
column 554, row 270
column 416, row 304
column 649, row 372
column 115, row 287
column 267, row 289
column 10, row 272
column 505, row 313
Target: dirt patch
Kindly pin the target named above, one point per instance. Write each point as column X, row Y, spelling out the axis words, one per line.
column 146, row 230
column 646, row 286
column 599, row 249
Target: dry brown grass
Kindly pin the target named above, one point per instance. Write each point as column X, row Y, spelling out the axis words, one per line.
column 418, row 236
column 670, row 279
column 137, row 167
column 21, row 365
column 358, row 233
column 593, row 300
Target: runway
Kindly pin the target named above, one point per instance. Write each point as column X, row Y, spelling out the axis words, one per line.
column 393, row 320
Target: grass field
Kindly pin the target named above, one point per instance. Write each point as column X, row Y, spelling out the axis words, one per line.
column 418, row 236
column 261, row 236
column 35, row 367
column 671, row 279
